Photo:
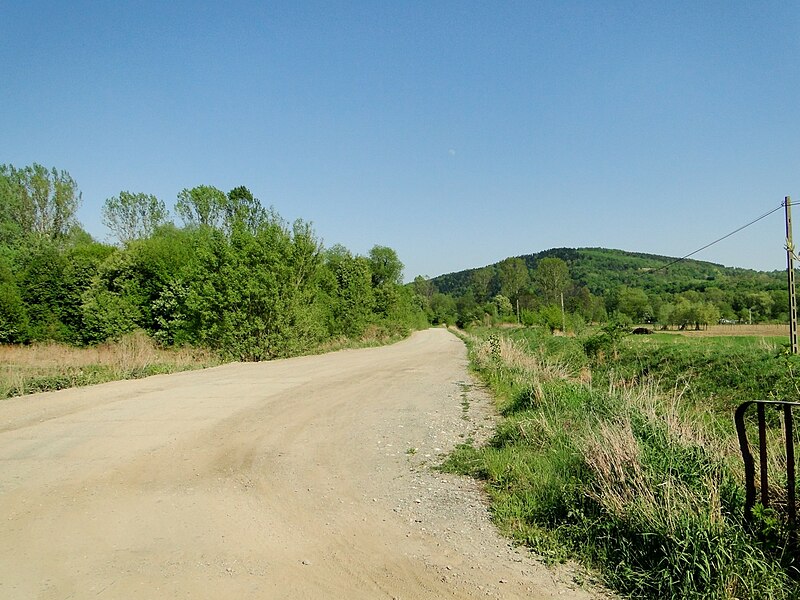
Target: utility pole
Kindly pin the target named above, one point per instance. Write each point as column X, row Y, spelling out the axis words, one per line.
column 787, row 203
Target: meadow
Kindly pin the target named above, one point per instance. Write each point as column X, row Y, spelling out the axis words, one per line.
column 48, row 366
column 620, row 451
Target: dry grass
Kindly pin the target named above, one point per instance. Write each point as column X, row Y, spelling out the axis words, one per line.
column 513, row 355
column 47, row 366
column 373, row 336
column 613, row 454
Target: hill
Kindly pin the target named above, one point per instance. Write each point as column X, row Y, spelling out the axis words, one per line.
column 602, row 270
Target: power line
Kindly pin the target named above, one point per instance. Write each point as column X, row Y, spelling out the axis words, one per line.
column 753, row 222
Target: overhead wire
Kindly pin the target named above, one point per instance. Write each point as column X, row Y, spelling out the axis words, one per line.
column 735, row 231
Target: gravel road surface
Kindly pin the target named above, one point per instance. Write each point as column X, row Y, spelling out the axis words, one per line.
column 302, row 478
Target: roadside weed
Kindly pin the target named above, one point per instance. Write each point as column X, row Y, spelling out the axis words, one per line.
column 629, row 465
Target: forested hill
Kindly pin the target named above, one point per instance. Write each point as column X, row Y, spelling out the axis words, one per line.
column 602, row 270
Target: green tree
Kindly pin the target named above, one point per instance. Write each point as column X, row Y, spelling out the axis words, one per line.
column 41, row 201
column 634, row 303
column 684, row 313
column 387, row 277
column 445, row 311
column 254, row 296
column 780, row 305
column 133, row 216
column 350, row 296
column 424, row 289
column 469, row 311
column 503, row 306
column 552, row 277
column 760, row 304
column 82, row 264
column 116, row 302
column 13, row 316
column 243, row 209
column 128, row 290
column 386, row 266
column 723, row 300
column 480, row 282
column 514, row 277
column 665, row 314
column 708, row 314
column 549, row 316
column 202, row 206
column 108, row 315
column 11, row 198
column 40, row 279
column 581, row 302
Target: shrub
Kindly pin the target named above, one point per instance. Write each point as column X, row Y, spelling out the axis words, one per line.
column 13, row 317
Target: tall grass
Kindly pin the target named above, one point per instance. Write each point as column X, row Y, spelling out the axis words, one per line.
column 720, row 372
column 51, row 366
column 633, row 475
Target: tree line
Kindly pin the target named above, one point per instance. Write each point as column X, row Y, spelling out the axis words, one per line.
column 230, row 275
column 565, row 287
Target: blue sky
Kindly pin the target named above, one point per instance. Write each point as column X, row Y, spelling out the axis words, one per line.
column 458, row 133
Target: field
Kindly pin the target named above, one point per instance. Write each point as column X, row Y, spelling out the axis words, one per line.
column 620, row 451
column 738, row 330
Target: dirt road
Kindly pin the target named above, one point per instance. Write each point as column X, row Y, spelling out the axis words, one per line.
column 302, row 478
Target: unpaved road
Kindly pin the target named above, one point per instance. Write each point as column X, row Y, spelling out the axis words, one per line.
column 302, row 478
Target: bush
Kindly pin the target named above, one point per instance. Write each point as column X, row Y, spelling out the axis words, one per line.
column 13, row 317
column 107, row 316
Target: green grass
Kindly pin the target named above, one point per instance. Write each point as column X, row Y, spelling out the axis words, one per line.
column 719, row 373
column 610, row 462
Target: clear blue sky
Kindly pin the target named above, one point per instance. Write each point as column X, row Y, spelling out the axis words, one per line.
column 458, row 133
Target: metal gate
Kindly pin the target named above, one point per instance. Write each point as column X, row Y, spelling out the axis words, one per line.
column 788, row 508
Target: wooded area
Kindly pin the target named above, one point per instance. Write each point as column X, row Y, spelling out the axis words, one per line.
column 231, row 276
column 598, row 285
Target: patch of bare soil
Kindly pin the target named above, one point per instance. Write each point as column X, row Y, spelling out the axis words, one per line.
column 738, row 330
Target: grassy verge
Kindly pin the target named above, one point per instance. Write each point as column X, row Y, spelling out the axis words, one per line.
column 47, row 367
column 50, row 366
column 372, row 337
column 625, row 464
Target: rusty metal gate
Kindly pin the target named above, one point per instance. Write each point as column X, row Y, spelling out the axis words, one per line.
column 788, row 508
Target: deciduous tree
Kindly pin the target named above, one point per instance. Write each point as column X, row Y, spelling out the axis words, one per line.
column 480, row 282
column 387, row 277
column 243, row 209
column 514, row 277
column 13, row 316
column 202, row 206
column 634, row 303
column 386, row 266
column 43, row 202
column 350, row 294
column 133, row 216
column 552, row 277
